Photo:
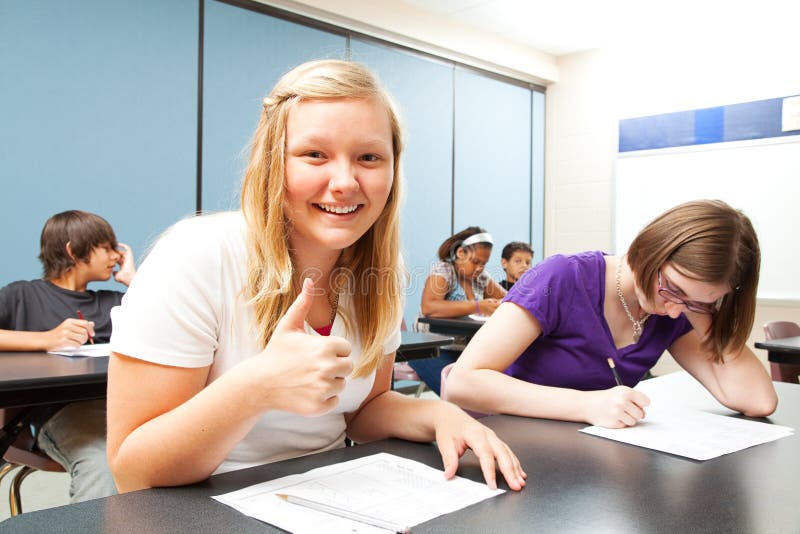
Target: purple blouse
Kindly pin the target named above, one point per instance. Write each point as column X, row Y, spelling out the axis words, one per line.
column 565, row 294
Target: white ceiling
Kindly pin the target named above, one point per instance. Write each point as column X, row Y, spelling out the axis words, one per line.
column 561, row 27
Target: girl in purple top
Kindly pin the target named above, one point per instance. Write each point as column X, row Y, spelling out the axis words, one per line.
column 687, row 285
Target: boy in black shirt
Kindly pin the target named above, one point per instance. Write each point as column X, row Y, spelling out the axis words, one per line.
column 38, row 315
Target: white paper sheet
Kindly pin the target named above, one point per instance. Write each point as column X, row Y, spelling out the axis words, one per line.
column 479, row 318
column 98, row 349
column 392, row 488
column 679, row 421
column 693, row 434
column 680, row 389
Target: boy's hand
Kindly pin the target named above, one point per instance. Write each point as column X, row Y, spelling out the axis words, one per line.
column 127, row 267
column 70, row 333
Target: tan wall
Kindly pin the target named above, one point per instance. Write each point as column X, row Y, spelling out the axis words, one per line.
column 764, row 314
column 580, row 148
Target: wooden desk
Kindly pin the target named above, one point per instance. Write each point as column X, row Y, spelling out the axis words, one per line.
column 420, row 345
column 452, row 326
column 785, row 350
column 576, row 483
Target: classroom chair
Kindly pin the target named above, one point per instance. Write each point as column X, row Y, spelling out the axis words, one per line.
column 403, row 372
column 782, row 372
column 23, row 456
column 443, row 390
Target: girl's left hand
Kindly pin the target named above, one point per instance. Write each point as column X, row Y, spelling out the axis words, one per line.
column 456, row 432
column 127, row 267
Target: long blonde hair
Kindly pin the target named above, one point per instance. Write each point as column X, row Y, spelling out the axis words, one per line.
column 371, row 270
column 710, row 241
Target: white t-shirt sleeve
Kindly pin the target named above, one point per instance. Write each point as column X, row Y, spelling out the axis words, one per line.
column 169, row 315
column 392, row 343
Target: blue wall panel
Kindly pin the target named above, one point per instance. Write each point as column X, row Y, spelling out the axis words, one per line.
column 492, row 160
column 244, row 55
column 97, row 112
column 427, row 163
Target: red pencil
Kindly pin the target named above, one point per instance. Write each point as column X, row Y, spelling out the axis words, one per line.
column 80, row 316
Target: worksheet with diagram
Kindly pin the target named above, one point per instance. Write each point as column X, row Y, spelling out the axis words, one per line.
column 395, row 489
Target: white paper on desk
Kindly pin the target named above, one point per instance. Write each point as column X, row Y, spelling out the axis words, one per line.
column 479, row 318
column 680, row 389
column 98, row 349
column 692, row 433
column 392, row 488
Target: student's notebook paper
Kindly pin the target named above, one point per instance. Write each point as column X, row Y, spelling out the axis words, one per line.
column 684, row 419
column 389, row 487
column 98, row 349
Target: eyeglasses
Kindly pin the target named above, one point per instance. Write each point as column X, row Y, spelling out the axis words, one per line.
column 691, row 305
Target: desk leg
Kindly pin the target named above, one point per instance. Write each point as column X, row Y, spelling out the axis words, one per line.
column 780, row 371
column 784, row 372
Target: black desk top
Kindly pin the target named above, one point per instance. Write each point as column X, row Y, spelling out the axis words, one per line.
column 786, row 344
column 417, row 345
column 784, row 350
column 576, row 483
column 32, row 378
column 454, row 326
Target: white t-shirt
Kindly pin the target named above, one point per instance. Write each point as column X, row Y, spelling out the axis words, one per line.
column 186, row 307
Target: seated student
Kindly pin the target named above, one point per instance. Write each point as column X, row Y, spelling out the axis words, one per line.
column 456, row 286
column 38, row 315
column 255, row 336
column 515, row 259
column 687, row 284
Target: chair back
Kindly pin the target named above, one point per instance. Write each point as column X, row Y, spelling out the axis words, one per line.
column 23, row 451
column 781, row 329
column 443, row 391
column 443, row 387
column 783, row 372
column 22, row 458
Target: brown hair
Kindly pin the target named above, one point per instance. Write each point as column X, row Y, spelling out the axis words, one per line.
column 515, row 246
column 82, row 230
column 447, row 250
column 709, row 241
column 373, row 262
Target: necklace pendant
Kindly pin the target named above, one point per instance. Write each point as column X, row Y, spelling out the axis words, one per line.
column 637, row 331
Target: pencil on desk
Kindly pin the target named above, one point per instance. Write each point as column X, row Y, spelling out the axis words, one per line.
column 341, row 512
column 80, row 316
column 614, row 370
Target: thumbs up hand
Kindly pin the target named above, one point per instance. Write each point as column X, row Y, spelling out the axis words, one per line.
column 302, row 373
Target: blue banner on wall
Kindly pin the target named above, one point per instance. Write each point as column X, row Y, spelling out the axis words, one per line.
column 736, row 122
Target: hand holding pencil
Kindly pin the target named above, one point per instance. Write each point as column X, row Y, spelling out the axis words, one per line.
column 617, row 407
column 89, row 329
column 71, row 332
column 614, row 371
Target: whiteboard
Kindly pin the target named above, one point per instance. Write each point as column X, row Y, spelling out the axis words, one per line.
column 760, row 177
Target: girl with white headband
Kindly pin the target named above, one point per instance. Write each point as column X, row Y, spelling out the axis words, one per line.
column 457, row 286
